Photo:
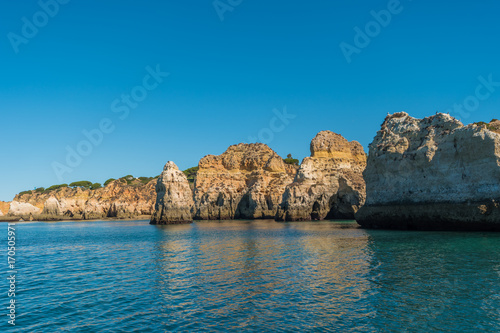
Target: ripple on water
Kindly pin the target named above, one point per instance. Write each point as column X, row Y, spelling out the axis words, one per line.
column 255, row 276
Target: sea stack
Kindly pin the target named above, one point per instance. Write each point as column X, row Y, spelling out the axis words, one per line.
column 174, row 198
column 247, row 181
column 329, row 183
column 433, row 174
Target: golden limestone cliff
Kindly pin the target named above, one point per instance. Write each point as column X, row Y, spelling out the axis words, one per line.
column 329, row 183
column 247, row 181
column 116, row 200
column 251, row 181
column 433, row 173
column 4, row 207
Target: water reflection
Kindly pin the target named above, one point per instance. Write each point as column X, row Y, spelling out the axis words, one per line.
column 246, row 274
column 256, row 276
column 323, row 275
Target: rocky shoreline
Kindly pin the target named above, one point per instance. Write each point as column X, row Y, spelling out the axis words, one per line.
column 117, row 200
column 420, row 174
column 251, row 181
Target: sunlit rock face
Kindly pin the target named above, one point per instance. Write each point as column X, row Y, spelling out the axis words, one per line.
column 174, row 198
column 4, row 207
column 247, row 181
column 22, row 209
column 433, row 173
column 329, row 183
column 52, row 206
column 116, row 200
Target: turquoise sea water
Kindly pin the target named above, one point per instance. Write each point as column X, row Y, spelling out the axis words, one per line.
column 129, row 276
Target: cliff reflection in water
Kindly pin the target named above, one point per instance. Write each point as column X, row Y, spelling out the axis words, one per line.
column 255, row 276
column 254, row 272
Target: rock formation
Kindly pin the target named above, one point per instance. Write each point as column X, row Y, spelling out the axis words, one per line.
column 433, row 173
column 116, row 200
column 329, row 184
column 4, row 207
column 245, row 182
column 52, row 207
column 174, row 197
column 23, row 209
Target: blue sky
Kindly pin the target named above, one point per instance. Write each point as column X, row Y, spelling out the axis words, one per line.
column 227, row 78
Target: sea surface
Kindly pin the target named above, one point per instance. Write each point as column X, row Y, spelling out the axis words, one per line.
column 256, row 276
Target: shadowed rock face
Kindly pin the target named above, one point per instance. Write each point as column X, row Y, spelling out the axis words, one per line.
column 174, row 198
column 432, row 173
column 245, row 182
column 329, row 184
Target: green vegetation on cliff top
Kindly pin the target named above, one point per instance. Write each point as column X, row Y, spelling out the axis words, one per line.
column 290, row 160
column 493, row 125
column 191, row 173
column 85, row 184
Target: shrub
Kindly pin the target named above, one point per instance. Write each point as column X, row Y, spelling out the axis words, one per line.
column 40, row 190
column 290, row 160
column 55, row 187
column 108, row 181
column 191, row 173
column 83, row 183
column 95, row 186
column 24, row 192
column 145, row 180
column 128, row 179
column 491, row 127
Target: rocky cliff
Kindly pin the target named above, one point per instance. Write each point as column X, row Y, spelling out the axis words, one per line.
column 329, row 183
column 174, row 197
column 116, row 200
column 433, row 173
column 4, row 207
column 246, row 182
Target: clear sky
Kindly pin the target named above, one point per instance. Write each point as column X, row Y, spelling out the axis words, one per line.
column 234, row 69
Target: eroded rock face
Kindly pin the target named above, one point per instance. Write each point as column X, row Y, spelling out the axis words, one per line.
column 433, row 173
column 245, row 182
column 329, row 183
column 4, row 207
column 117, row 200
column 174, row 197
column 52, row 207
column 22, row 209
